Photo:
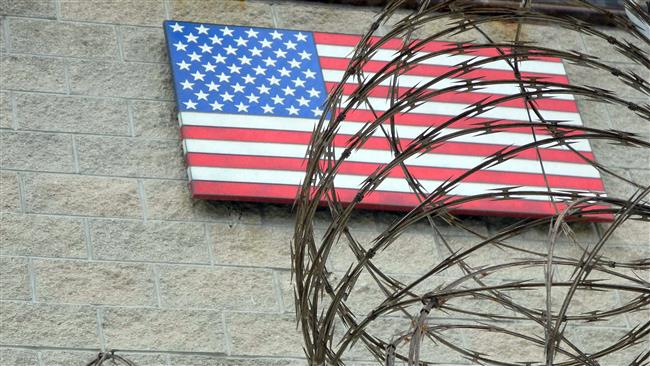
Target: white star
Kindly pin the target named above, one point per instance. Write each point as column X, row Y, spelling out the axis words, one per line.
column 212, row 86
column 294, row 63
column 309, row 74
column 187, row 85
column 300, row 37
column 284, row 72
column 205, row 48
column 267, row 108
column 180, row 46
column 227, row 97
column 230, row 50
column 290, row 45
column 256, row 51
column 234, row 69
column 223, row 77
column 194, row 56
column 190, row 104
column 215, row 39
column 216, row 106
column 252, row 98
column 304, row 55
column 238, row 88
column 201, row 29
column 298, row 82
column 277, row 99
column 313, row 93
column 266, row 43
column 303, row 102
column 317, row 112
column 279, row 53
column 201, row 95
column 226, row 31
column 259, row 70
column 276, row 35
column 288, row 90
column 263, row 89
column 248, row 79
column 209, row 67
column 273, row 80
column 251, row 33
column 177, row 27
column 198, row 76
column 241, row 107
column 183, row 65
column 191, row 38
column 269, row 62
column 292, row 110
column 244, row 60
column 219, row 59
column 241, row 42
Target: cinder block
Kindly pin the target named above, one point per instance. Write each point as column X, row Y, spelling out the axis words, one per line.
column 9, row 192
column 223, row 12
column 14, row 279
column 18, row 357
column 143, row 44
column 28, row 8
column 33, row 73
column 155, row 120
column 205, row 360
column 252, row 245
column 631, row 232
column 119, row 79
column 48, row 37
column 325, row 18
column 77, row 282
column 617, row 156
column 601, row 48
column 72, row 114
column 45, row 325
column 82, row 195
column 43, row 236
column 218, row 288
column 6, row 111
column 151, row 241
column 623, row 119
column 81, row 358
column 163, row 330
column 264, row 335
column 37, row 151
column 150, row 12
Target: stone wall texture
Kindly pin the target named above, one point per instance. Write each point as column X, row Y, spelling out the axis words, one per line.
column 103, row 248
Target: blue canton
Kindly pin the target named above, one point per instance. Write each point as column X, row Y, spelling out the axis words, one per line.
column 244, row 70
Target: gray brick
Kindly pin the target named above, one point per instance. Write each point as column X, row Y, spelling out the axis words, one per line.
column 264, row 335
column 437, row 26
column 616, row 187
column 620, row 156
column 623, row 119
column 115, row 79
column 171, row 200
column 32, row 73
column 18, row 357
column 6, row 110
column 31, row 235
column 252, row 245
column 3, row 38
column 82, row 195
column 205, row 360
column 130, row 157
column 223, row 12
column 37, row 151
column 155, row 120
column 594, row 114
column 602, row 49
column 217, row 288
column 143, row 44
column 81, row 358
column 14, row 279
column 579, row 75
column 632, row 232
column 150, row 241
column 640, row 176
column 148, row 12
column 72, row 114
column 45, row 325
column 506, row 348
column 62, row 39
column 76, row 282
column 324, row 18
column 9, row 192
column 591, row 339
column 29, row 8
column 141, row 329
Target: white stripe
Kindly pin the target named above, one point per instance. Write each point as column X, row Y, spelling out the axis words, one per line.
column 409, row 81
column 344, row 181
column 546, row 67
column 351, row 128
column 385, row 156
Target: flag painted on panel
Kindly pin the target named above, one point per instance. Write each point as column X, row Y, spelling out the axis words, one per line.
column 248, row 99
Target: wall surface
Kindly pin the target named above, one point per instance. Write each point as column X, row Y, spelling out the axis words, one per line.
column 102, row 246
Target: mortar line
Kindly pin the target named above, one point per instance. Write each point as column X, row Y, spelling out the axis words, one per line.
column 21, row 192
column 57, row 9
column 129, row 113
column 14, row 111
column 168, row 359
column 226, row 334
column 100, row 328
column 75, row 155
column 89, row 248
column 143, row 200
column 72, row 133
column 118, row 39
column 274, row 16
column 277, row 288
column 32, row 279
column 156, row 283
column 66, row 75
column 7, row 40
column 39, row 358
column 166, row 9
column 210, row 244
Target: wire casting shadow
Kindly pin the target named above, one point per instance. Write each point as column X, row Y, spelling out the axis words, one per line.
column 492, row 297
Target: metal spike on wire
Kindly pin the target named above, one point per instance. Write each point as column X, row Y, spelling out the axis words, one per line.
column 430, row 316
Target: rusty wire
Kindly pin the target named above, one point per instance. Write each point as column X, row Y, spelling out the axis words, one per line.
column 430, row 313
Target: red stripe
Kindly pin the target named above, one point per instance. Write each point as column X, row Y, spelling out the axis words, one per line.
column 378, row 143
column 366, row 169
column 466, row 98
column 376, row 200
column 396, row 44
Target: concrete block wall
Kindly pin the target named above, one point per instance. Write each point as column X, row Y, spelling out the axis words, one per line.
column 101, row 246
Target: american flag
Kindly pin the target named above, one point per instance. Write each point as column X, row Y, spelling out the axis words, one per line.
column 249, row 97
